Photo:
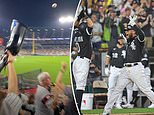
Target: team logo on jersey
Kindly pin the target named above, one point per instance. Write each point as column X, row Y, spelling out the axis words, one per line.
column 123, row 53
column 133, row 46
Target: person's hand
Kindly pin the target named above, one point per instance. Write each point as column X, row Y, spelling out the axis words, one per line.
column 81, row 15
column 132, row 20
column 63, row 66
column 10, row 57
column 107, row 71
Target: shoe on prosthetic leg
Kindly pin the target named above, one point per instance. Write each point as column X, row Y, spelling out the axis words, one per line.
column 78, row 95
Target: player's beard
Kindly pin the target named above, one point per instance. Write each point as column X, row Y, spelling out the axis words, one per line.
column 129, row 40
column 130, row 37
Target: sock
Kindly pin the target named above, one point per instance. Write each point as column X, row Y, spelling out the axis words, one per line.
column 78, row 95
column 134, row 100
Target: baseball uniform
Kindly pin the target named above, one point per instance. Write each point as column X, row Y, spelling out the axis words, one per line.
column 82, row 41
column 133, row 71
column 116, row 56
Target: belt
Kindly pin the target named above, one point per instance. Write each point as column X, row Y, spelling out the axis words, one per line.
column 130, row 64
column 84, row 58
column 116, row 66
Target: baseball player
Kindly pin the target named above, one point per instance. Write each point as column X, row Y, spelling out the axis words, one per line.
column 82, row 41
column 115, row 57
column 134, row 89
column 133, row 69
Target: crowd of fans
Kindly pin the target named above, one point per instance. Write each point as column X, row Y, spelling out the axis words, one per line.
column 51, row 52
column 115, row 17
column 48, row 99
column 111, row 20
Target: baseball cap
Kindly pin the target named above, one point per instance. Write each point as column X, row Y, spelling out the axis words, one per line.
column 129, row 27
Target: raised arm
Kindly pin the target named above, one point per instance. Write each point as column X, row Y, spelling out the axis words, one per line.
column 59, row 82
column 12, row 77
column 139, row 33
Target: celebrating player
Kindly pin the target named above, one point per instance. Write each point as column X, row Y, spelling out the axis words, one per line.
column 133, row 90
column 82, row 42
column 133, row 67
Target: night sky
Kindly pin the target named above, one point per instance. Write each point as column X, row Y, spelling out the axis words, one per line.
column 36, row 13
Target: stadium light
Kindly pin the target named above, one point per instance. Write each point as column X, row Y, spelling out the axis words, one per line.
column 31, row 30
column 46, row 30
column 66, row 19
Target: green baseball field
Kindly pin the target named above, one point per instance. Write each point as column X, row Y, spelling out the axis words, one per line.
column 134, row 111
column 51, row 64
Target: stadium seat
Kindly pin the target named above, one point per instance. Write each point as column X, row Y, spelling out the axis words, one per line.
column 100, row 93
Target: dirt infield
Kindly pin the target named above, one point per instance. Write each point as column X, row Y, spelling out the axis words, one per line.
column 125, row 114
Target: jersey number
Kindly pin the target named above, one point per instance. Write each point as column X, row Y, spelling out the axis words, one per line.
column 115, row 55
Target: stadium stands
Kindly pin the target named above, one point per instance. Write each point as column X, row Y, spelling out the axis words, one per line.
column 43, row 41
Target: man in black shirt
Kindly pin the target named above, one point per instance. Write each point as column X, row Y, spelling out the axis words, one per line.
column 82, row 42
column 132, row 70
column 115, row 58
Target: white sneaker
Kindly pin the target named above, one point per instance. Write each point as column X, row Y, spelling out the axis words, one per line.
column 128, row 106
column 118, row 106
column 151, row 106
column 106, row 113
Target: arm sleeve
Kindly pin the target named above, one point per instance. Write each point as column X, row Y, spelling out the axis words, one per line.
column 139, row 33
column 72, row 41
column 14, row 101
column 47, row 100
column 89, row 30
column 109, row 53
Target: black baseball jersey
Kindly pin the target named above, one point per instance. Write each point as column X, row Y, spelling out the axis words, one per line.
column 134, row 47
column 145, row 58
column 82, row 40
column 117, row 56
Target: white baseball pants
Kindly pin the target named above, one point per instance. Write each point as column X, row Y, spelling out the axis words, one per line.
column 130, row 74
column 80, row 72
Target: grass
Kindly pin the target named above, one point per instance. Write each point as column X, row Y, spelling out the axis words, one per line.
column 51, row 64
column 120, row 111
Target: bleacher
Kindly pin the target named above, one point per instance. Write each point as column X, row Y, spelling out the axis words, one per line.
column 43, row 41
